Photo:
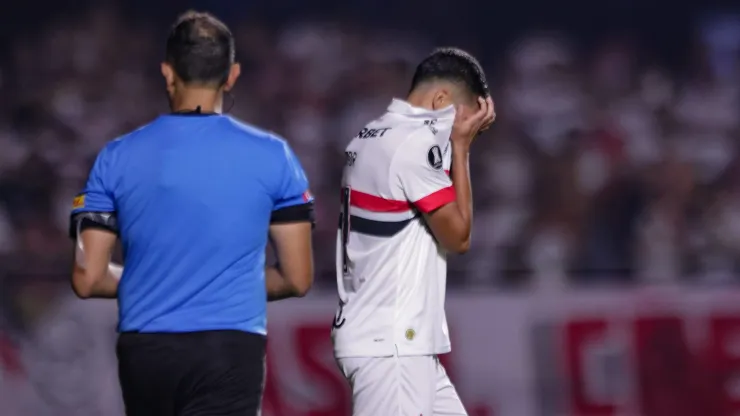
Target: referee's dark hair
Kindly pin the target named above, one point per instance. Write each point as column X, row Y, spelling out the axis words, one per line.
column 452, row 65
column 200, row 49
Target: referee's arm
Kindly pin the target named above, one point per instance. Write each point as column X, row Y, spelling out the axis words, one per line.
column 290, row 233
column 94, row 228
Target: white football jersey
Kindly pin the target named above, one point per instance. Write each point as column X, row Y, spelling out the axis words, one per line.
column 391, row 273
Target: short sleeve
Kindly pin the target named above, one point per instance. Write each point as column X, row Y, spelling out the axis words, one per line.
column 97, row 195
column 293, row 184
column 418, row 166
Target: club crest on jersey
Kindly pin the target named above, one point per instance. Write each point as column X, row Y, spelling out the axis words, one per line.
column 78, row 202
column 434, row 157
column 410, row 334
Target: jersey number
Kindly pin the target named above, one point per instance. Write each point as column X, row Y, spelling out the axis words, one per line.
column 344, row 228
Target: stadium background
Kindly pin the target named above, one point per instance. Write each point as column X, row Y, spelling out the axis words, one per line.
column 603, row 275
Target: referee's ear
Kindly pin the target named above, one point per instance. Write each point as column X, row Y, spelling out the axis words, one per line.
column 169, row 77
column 234, row 72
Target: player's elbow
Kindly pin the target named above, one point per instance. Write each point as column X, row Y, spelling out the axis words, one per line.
column 302, row 286
column 84, row 282
column 463, row 247
column 82, row 285
column 450, row 228
column 459, row 247
column 82, row 292
column 301, row 291
column 299, row 280
column 457, row 240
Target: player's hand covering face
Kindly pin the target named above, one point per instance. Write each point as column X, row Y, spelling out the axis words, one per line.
column 468, row 124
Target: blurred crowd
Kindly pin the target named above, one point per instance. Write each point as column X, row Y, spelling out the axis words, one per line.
column 604, row 166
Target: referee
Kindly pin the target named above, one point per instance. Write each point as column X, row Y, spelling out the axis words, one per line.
column 193, row 198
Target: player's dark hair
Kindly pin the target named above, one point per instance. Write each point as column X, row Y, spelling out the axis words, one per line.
column 454, row 65
column 200, row 49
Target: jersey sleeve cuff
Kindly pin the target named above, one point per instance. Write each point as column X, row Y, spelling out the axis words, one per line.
column 294, row 213
column 436, row 200
column 84, row 220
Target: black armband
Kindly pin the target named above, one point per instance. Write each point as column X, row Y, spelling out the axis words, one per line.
column 294, row 213
column 100, row 220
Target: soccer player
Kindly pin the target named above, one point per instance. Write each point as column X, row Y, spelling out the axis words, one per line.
column 193, row 197
column 401, row 213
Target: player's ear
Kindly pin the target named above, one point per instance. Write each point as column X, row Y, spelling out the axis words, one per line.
column 441, row 99
column 234, row 73
column 169, row 76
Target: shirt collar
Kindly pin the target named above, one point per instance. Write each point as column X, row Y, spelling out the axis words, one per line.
column 196, row 112
column 402, row 107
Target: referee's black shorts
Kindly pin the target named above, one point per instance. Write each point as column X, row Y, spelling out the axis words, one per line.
column 191, row 374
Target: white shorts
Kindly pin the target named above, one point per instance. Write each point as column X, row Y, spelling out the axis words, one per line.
column 400, row 386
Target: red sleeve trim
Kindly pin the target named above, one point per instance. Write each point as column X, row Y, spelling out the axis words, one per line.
column 436, row 200
column 375, row 203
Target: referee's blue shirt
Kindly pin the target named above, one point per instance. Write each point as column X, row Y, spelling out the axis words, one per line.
column 194, row 195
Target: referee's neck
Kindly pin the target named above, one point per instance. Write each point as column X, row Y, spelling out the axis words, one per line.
column 189, row 99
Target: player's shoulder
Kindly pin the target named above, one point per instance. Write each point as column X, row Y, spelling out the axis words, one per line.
column 418, row 140
column 254, row 134
column 121, row 141
column 134, row 135
column 420, row 126
column 245, row 129
column 423, row 146
column 419, row 136
column 392, row 132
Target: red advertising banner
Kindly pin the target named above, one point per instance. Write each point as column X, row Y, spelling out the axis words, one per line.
column 670, row 352
column 667, row 352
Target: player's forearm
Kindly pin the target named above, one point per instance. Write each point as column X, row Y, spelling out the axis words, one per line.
column 461, row 181
column 277, row 287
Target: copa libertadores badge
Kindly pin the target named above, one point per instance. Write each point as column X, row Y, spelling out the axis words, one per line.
column 434, row 157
